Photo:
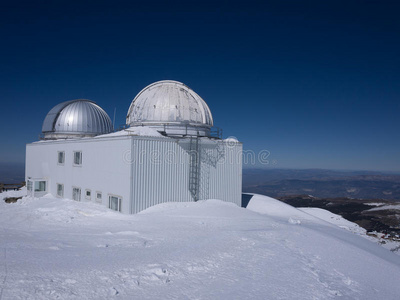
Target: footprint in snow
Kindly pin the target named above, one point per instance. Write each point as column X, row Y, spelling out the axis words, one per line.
column 70, row 281
column 127, row 233
column 156, row 272
column 294, row 221
column 113, row 291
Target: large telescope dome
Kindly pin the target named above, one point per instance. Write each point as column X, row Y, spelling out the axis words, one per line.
column 170, row 107
column 76, row 118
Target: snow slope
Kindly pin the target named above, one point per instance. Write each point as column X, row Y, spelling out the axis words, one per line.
column 61, row 249
column 335, row 220
column 386, row 207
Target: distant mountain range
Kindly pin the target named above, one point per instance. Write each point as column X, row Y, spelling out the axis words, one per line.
column 12, row 172
column 322, row 183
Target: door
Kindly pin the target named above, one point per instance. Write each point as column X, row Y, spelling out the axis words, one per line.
column 76, row 194
column 114, row 203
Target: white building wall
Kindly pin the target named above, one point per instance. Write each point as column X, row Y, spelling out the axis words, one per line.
column 160, row 169
column 143, row 171
column 103, row 167
column 221, row 171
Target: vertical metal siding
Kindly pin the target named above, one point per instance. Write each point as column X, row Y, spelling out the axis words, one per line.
column 221, row 175
column 157, row 177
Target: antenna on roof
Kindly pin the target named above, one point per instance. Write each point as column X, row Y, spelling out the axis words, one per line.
column 115, row 109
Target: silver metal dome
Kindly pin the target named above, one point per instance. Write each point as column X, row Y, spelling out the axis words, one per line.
column 171, row 107
column 76, row 118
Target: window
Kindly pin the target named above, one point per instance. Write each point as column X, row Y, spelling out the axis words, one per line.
column 114, row 203
column 77, row 158
column 98, row 196
column 29, row 185
column 88, row 194
column 61, row 157
column 76, row 194
column 40, row 186
column 60, row 190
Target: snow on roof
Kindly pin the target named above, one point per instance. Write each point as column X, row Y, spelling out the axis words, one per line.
column 231, row 139
column 139, row 131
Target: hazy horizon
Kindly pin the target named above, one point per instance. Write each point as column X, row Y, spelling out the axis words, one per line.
column 11, row 172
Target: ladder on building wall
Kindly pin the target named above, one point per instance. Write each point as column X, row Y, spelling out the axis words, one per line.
column 220, row 149
column 194, row 167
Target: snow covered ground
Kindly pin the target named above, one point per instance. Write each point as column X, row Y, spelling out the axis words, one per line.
column 392, row 244
column 386, row 207
column 61, row 249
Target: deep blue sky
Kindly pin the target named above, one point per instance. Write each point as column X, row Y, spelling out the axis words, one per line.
column 316, row 83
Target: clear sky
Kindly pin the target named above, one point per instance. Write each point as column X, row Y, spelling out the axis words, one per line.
column 316, row 83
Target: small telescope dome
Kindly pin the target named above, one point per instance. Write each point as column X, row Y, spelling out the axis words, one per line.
column 76, row 118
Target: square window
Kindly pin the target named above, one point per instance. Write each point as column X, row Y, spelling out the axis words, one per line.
column 98, row 196
column 88, row 194
column 61, row 157
column 77, row 158
column 40, row 186
column 60, row 190
column 29, row 185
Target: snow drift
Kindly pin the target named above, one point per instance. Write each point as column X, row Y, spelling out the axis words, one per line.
column 56, row 248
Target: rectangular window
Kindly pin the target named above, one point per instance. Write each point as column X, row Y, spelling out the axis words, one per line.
column 114, row 203
column 40, row 186
column 98, row 196
column 88, row 194
column 77, row 158
column 61, row 157
column 76, row 194
column 29, row 185
column 60, row 190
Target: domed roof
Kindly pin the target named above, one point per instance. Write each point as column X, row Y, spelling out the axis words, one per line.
column 76, row 118
column 169, row 102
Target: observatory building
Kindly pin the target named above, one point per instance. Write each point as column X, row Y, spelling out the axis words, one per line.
column 169, row 151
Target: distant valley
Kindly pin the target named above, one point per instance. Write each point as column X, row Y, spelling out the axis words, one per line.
column 370, row 199
column 382, row 216
column 322, row 183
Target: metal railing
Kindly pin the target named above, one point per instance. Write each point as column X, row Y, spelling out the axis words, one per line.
column 11, row 186
column 214, row 132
